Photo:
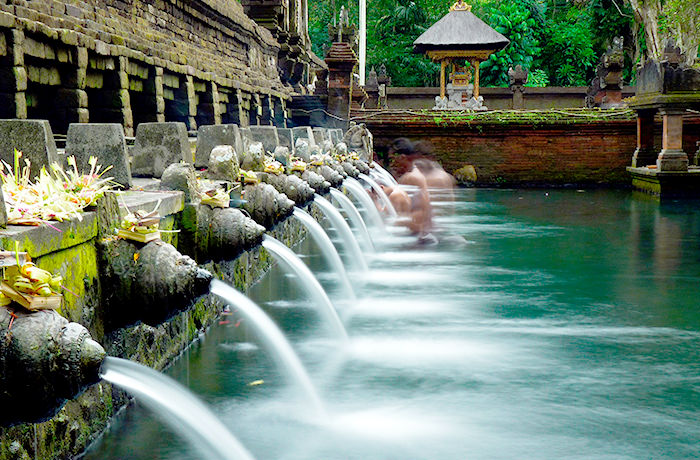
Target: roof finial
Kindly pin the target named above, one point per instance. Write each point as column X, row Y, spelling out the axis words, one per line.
column 460, row 5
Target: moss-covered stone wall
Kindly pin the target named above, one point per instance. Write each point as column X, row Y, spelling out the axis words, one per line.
column 76, row 258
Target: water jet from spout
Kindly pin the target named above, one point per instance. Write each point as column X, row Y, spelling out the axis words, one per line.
column 293, row 263
column 360, row 194
column 381, row 194
column 353, row 214
column 343, row 229
column 177, row 407
column 274, row 341
column 326, row 246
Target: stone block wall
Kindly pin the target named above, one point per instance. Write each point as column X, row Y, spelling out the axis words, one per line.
column 550, row 97
column 134, row 61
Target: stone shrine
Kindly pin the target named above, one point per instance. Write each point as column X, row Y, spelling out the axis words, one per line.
column 460, row 40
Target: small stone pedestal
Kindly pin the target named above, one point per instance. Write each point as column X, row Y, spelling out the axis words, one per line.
column 672, row 156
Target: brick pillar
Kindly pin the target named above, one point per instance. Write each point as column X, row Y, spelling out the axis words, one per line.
column 672, row 156
column 19, row 72
column 125, row 97
column 192, row 103
column 160, row 100
column 644, row 155
column 341, row 62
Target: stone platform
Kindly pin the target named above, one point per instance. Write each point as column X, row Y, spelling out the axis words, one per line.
column 667, row 184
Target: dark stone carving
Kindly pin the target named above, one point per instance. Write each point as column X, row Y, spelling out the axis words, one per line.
column 266, row 205
column 44, row 360
column 517, row 79
column 316, row 181
column 606, row 88
column 294, row 187
column 148, row 283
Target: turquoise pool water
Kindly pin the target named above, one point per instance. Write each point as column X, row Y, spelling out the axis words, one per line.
column 567, row 326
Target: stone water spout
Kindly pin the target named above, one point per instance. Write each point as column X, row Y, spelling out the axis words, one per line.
column 296, row 189
column 337, row 167
column 350, row 169
column 266, row 205
column 210, row 233
column 218, row 233
column 44, row 361
column 316, row 181
column 361, row 166
column 330, row 175
column 147, row 283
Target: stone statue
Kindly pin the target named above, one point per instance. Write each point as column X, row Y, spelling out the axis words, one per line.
column 456, row 97
column 672, row 53
column 372, row 81
column 359, row 139
column 311, row 87
column 517, row 79
column 606, row 88
column 517, row 76
column 476, row 104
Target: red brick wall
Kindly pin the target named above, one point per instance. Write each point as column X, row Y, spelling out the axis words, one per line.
column 524, row 153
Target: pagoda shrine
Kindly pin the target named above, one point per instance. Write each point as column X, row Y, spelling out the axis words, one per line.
column 461, row 41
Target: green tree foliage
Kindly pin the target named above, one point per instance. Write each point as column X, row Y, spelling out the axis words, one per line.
column 513, row 20
column 559, row 41
column 569, row 50
column 390, row 42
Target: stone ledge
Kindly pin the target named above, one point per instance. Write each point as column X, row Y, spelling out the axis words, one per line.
column 45, row 239
column 146, row 196
column 666, row 184
column 42, row 240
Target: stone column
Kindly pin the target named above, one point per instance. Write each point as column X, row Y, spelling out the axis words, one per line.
column 19, row 72
column 81, row 84
column 268, row 111
column 255, row 110
column 160, row 99
column 125, row 97
column 191, row 102
column 243, row 108
column 280, row 113
column 672, row 156
column 644, row 154
column 216, row 103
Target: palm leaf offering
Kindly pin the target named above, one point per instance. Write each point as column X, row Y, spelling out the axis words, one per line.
column 273, row 166
column 31, row 287
column 248, row 177
column 141, row 226
column 50, row 197
column 216, row 197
